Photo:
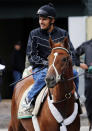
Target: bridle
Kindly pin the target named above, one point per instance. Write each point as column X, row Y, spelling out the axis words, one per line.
column 63, row 121
column 60, row 76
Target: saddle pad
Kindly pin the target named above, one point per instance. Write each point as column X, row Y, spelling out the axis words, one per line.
column 34, row 110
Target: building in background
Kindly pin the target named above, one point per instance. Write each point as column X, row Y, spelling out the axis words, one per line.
column 80, row 29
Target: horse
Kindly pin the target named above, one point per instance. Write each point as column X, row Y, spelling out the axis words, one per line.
column 60, row 95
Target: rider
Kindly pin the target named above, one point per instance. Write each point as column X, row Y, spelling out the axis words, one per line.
column 38, row 47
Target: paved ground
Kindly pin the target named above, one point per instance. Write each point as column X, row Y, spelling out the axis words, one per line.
column 5, row 107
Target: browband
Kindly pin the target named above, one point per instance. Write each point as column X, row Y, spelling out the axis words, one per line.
column 61, row 48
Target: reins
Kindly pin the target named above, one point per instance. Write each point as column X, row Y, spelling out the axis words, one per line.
column 72, row 78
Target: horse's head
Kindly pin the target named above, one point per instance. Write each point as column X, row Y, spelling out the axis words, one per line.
column 59, row 59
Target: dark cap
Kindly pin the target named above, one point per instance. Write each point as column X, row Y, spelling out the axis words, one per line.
column 47, row 11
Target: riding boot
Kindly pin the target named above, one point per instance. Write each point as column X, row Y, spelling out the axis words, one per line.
column 29, row 101
column 29, row 105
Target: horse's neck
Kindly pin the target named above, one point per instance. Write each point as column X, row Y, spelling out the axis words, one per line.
column 65, row 107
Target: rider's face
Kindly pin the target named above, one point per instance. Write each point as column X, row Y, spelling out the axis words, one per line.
column 17, row 47
column 44, row 22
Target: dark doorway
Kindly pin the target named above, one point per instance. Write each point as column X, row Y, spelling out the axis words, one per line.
column 12, row 30
column 62, row 23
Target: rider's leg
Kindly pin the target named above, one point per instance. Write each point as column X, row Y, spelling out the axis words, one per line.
column 39, row 83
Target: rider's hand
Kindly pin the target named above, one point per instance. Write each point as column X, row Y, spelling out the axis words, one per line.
column 84, row 66
column 90, row 69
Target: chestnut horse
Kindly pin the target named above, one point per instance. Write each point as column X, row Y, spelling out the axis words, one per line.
column 60, row 90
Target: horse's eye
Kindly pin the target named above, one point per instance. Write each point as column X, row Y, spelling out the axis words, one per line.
column 64, row 59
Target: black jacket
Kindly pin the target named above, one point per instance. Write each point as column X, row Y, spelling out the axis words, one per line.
column 38, row 47
column 17, row 60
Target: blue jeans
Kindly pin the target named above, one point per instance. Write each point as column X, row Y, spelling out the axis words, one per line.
column 39, row 82
column 17, row 75
column 76, row 80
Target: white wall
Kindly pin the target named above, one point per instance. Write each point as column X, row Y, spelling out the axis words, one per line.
column 89, row 27
column 77, row 30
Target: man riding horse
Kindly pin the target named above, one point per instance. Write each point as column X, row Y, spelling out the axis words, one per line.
column 38, row 49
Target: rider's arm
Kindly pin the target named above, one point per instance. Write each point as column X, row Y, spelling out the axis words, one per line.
column 80, row 51
column 83, row 66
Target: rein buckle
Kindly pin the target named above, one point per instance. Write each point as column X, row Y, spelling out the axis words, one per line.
column 68, row 95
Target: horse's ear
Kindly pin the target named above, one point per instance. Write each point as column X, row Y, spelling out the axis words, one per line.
column 66, row 42
column 51, row 43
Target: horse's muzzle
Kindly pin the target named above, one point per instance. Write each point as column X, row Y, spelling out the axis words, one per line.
column 50, row 81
